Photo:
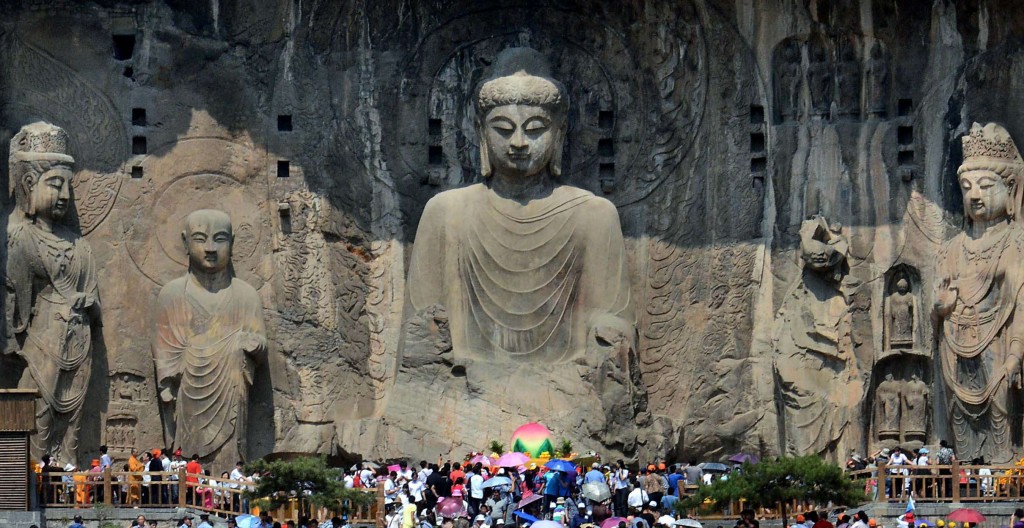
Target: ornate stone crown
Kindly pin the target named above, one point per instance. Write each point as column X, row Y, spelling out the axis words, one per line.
column 991, row 142
column 40, row 141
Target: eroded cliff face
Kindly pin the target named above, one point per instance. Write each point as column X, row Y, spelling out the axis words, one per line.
column 714, row 127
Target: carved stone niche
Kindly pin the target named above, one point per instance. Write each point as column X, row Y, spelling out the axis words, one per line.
column 820, row 74
column 901, row 402
column 119, row 434
column 128, row 388
column 787, row 79
column 901, row 313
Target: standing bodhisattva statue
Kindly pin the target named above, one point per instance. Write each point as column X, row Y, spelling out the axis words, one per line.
column 52, row 293
column 980, row 281
column 209, row 337
column 526, row 267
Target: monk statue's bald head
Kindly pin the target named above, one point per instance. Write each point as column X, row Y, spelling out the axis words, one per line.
column 208, row 238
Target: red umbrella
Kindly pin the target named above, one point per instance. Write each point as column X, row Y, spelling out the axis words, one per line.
column 967, row 515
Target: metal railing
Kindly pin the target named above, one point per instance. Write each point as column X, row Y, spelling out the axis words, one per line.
column 168, row 489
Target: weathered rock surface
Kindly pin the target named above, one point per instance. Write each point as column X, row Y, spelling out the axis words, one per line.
column 323, row 128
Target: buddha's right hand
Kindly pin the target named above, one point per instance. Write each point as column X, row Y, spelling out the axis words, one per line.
column 945, row 297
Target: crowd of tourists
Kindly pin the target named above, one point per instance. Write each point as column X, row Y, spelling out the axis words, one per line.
column 138, row 482
column 911, row 471
column 474, row 495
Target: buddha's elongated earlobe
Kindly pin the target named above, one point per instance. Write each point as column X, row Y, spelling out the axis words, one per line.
column 555, row 165
column 485, row 158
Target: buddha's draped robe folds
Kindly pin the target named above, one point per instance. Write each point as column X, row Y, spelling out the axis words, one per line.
column 45, row 272
column 975, row 340
column 520, row 280
column 200, row 345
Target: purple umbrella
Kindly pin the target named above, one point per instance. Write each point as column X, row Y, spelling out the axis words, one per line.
column 743, row 458
column 450, row 507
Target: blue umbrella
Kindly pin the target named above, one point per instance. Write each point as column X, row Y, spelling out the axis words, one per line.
column 497, row 481
column 525, row 516
column 248, row 521
column 561, row 465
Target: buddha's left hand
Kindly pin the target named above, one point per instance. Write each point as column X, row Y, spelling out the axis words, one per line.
column 82, row 301
column 252, row 342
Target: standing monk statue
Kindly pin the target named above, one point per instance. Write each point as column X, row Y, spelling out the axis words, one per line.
column 526, row 267
column 53, row 300
column 980, row 281
column 209, row 338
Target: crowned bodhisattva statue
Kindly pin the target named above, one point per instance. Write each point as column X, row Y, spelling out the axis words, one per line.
column 53, row 298
column 980, row 286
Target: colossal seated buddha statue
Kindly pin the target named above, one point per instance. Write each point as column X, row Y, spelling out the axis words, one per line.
column 518, row 305
column 525, row 266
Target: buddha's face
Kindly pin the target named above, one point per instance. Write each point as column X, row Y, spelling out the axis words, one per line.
column 521, row 139
column 51, row 194
column 902, row 286
column 986, row 196
column 208, row 240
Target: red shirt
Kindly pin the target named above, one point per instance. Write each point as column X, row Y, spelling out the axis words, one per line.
column 455, row 474
column 193, row 468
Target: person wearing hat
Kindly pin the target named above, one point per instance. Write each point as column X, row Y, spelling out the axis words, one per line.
column 594, row 475
column 872, row 523
column 204, row 520
column 157, row 493
column 906, row 520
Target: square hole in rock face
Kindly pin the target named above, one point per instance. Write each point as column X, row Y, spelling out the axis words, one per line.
column 139, row 117
column 905, row 135
column 136, row 172
column 605, row 147
column 435, row 155
column 756, row 114
column 283, row 169
column 139, row 145
column 605, row 119
column 757, row 142
column 284, row 123
column 758, row 164
column 124, row 46
column 905, row 157
column 904, row 107
column 434, row 127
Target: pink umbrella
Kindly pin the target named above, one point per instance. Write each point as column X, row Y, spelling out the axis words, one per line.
column 612, row 522
column 512, row 459
column 530, row 499
column 450, row 507
column 482, row 460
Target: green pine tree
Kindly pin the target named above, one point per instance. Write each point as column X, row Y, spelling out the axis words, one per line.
column 282, row 480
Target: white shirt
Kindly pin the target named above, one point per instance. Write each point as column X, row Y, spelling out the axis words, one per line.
column 476, row 487
column 636, row 498
column 350, row 481
column 236, row 474
column 390, row 491
column 177, row 465
column 416, row 490
column 366, row 477
column 166, row 463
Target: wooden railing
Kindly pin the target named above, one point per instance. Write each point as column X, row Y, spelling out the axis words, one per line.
column 170, row 489
column 943, row 483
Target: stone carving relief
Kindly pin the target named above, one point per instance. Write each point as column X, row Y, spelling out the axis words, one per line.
column 306, row 290
column 979, row 287
column 814, row 349
column 119, row 435
column 902, row 402
column 208, row 339
column 914, row 410
column 887, row 409
column 848, row 71
column 52, row 293
column 901, row 313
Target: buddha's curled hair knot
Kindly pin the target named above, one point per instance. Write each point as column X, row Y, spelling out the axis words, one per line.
column 521, row 76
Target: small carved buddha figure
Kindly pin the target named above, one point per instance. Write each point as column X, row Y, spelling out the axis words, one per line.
column 979, row 288
column 902, row 309
column 914, row 409
column 52, row 290
column 525, row 266
column 887, row 408
column 209, row 337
